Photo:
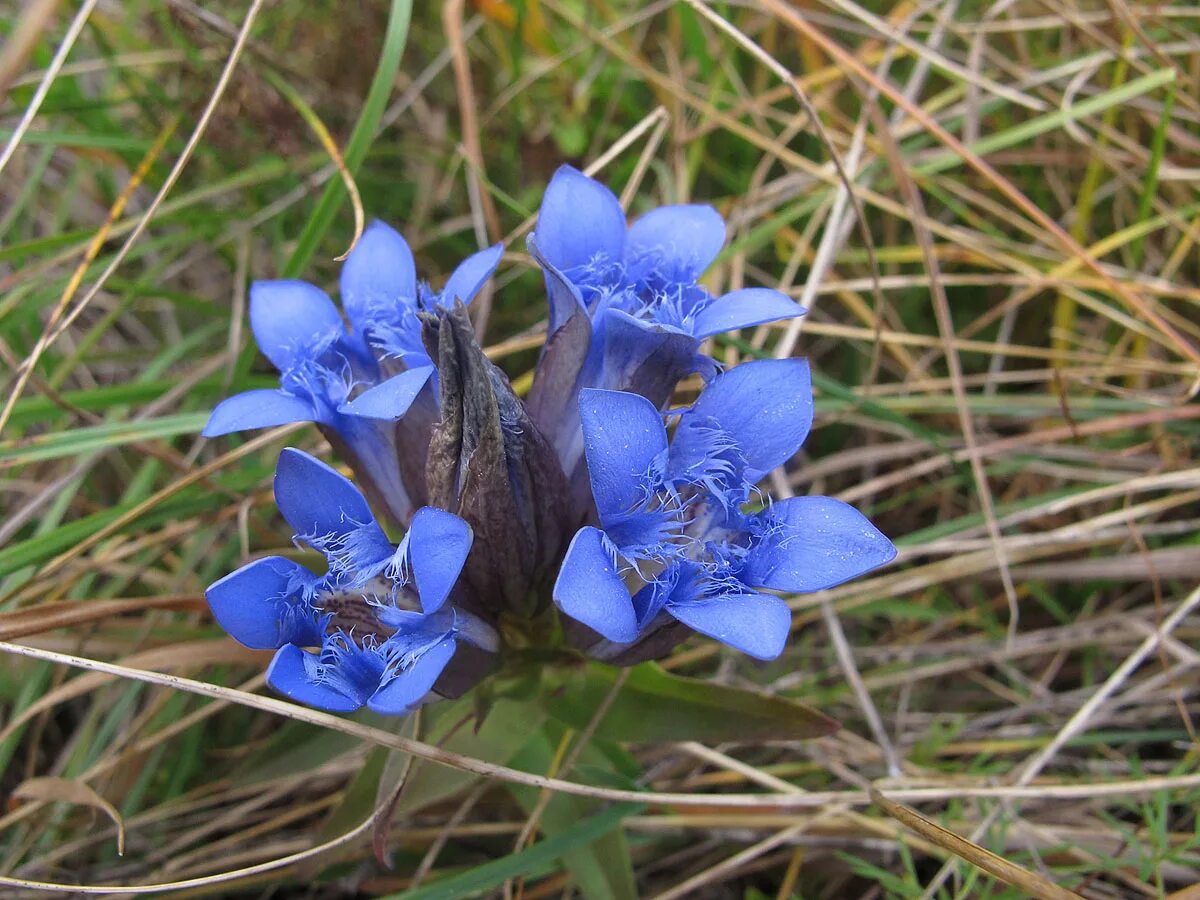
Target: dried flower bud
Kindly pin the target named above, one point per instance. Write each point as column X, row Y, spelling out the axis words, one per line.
column 491, row 465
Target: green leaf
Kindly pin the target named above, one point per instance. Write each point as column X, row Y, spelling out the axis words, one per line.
column 655, row 706
column 537, row 858
column 295, row 749
column 505, row 729
column 359, row 800
column 602, row 869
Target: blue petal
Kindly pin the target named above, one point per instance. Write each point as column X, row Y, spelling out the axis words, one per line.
column 757, row 624
column 565, row 299
column 391, row 399
column 293, row 673
column 625, row 443
column 378, row 276
column 292, row 321
column 257, row 409
column 316, row 500
column 589, row 590
column 374, row 447
column 438, row 543
column 649, row 601
column 404, row 692
column 766, row 406
column 580, row 219
column 406, row 620
column 674, row 243
column 743, row 309
column 813, row 543
column 251, row 604
column 470, row 275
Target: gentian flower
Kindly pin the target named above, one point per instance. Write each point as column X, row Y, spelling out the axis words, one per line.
column 383, row 298
column 627, row 311
column 637, row 525
column 357, row 384
column 378, row 618
column 673, row 541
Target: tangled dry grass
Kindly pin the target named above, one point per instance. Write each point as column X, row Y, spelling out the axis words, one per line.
column 990, row 212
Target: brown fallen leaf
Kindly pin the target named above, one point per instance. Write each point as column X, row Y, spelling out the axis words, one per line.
column 67, row 790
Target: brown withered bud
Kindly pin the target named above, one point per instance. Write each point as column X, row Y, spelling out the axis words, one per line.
column 489, row 464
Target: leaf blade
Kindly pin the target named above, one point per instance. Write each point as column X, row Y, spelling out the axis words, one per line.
column 657, row 706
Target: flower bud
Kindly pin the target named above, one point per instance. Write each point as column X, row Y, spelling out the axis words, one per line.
column 489, row 464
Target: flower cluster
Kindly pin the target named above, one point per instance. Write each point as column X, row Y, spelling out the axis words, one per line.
column 590, row 497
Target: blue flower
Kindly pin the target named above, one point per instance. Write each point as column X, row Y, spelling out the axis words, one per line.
column 378, row 617
column 355, row 385
column 382, row 296
column 627, row 311
column 673, row 541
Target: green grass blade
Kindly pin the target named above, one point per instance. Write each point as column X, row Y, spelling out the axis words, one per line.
column 1051, row 121
column 492, row 874
column 360, row 139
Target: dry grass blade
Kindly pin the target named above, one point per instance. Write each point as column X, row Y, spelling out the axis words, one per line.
column 330, row 146
column 670, row 799
column 196, row 475
column 945, row 322
column 59, row 313
column 1132, row 298
column 32, row 620
column 18, row 47
column 1031, row 883
column 223, row 878
column 170, row 657
column 1083, row 715
column 814, row 116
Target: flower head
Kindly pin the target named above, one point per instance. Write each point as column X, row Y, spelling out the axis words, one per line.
column 356, row 385
column 383, row 298
column 628, row 301
column 378, row 616
column 673, row 541
column 582, row 497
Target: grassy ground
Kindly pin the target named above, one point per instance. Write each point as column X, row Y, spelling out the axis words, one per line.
column 1004, row 334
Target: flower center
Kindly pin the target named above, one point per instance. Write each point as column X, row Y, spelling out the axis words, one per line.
column 354, row 612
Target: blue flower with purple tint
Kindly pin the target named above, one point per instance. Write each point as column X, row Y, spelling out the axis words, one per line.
column 382, row 297
column 377, row 620
column 627, row 310
column 355, row 384
column 673, row 541
column 637, row 524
